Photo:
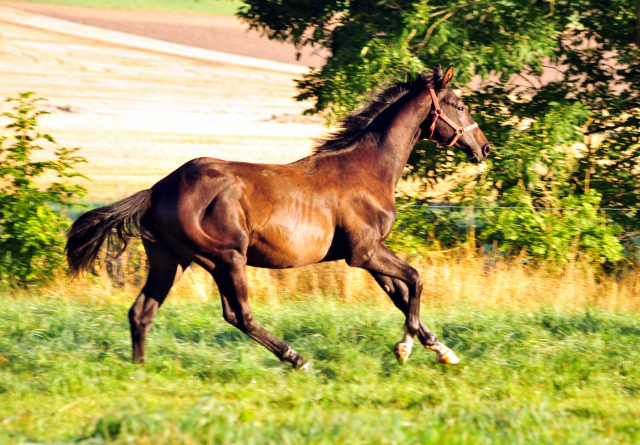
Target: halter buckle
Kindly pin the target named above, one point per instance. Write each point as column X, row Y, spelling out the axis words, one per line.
column 439, row 111
column 459, row 130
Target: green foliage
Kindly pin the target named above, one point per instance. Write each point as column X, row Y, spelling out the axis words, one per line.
column 370, row 39
column 555, row 138
column 31, row 233
column 557, row 235
column 533, row 377
column 574, row 228
column 421, row 227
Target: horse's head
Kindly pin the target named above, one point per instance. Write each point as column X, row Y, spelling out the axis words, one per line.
column 449, row 123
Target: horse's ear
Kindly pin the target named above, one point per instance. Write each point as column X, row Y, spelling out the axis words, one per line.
column 447, row 76
column 437, row 74
column 424, row 77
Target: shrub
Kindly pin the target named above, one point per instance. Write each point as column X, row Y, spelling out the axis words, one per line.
column 31, row 233
column 574, row 226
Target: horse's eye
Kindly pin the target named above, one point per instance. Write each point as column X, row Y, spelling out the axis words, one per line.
column 461, row 108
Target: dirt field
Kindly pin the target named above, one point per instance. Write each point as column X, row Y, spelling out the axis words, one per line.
column 140, row 114
column 219, row 33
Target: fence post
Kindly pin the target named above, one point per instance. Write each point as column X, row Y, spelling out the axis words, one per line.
column 471, row 230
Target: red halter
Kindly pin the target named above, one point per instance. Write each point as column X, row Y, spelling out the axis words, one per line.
column 457, row 129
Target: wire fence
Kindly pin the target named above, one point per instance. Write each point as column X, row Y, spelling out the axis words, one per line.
column 499, row 207
column 132, row 266
column 456, row 206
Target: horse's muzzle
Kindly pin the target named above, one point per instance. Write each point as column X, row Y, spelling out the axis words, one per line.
column 478, row 156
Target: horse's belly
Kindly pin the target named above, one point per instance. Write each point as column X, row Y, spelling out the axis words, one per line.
column 284, row 247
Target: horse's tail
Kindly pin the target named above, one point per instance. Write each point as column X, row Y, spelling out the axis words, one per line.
column 90, row 231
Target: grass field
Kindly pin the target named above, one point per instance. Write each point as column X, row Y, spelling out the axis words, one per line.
column 218, row 7
column 534, row 377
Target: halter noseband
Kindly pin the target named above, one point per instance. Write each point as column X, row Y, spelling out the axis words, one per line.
column 457, row 129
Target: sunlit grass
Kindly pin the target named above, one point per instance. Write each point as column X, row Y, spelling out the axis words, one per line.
column 538, row 376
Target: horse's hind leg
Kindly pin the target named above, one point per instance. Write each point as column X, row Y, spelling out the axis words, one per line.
column 165, row 268
column 232, row 283
column 399, row 294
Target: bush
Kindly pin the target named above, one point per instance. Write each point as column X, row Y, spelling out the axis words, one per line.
column 556, row 235
column 31, row 233
column 573, row 227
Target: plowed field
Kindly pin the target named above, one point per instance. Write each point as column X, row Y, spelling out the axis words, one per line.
column 140, row 114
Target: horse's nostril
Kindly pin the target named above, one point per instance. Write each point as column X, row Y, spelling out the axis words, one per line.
column 487, row 149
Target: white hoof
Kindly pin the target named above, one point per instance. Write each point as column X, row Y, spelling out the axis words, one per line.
column 402, row 349
column 445, row 355
column 402, row 352
column 305, row 367
column 448, row 358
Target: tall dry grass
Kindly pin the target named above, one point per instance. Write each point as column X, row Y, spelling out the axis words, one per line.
column 462, row 279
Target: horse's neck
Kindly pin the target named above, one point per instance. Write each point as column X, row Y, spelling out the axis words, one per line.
column 382, row 151
column 396, row 131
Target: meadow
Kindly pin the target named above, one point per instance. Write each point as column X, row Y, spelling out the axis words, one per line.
column 547, row 356
column 529, row 375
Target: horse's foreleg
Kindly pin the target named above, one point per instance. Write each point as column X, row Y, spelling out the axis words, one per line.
column 164, row 270
column 232, row 283
column 380, row 260
column 399, row 294
column 377, row 258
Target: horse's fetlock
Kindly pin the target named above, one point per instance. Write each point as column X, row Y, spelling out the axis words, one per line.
column 293, row 357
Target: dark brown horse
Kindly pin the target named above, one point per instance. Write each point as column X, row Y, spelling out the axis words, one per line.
column 338, row 203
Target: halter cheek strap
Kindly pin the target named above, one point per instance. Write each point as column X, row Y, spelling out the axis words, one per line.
column 457, row 129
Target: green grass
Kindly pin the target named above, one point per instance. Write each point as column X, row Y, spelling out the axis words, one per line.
column 537, row 377
column 218, row 7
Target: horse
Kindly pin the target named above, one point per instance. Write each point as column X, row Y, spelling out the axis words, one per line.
column 336, row 204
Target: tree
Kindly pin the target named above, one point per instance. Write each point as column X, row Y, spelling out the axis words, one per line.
column 31, row 233
column 575, row 137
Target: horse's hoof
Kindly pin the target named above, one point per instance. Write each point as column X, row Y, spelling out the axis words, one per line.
column 402, row 351
column 444, row 355
column 448, row 357
column 305, row 367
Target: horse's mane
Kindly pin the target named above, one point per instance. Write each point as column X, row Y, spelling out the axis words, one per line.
column 354, row 124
